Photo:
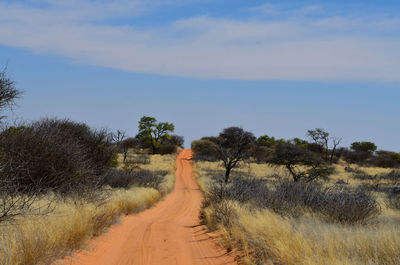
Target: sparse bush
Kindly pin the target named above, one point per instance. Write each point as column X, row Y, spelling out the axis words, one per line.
column 141, row 178
column 289, row 198
column 294, row 198
column 247, row 189
column 224, row 213
column 346, row 206
column 393, row 198
column 393, row 175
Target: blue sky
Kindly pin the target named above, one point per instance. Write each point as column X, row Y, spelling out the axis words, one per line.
column 273, row 67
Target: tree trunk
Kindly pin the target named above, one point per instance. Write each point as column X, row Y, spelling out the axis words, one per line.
column 294, row 175
column 227, row 173
column 125, row 155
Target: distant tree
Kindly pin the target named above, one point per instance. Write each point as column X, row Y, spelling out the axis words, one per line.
column 177, row 140
column 268, row 141
column 8, row 91
column 300, row 162
column 126, row 144
column 232, row 146
column 300, row 143
column 321, row 139
column 118, row 137
column 364, row 147
column 153, row 133
column 385, row 159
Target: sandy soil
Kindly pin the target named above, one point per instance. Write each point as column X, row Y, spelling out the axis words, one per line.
column 168, row 233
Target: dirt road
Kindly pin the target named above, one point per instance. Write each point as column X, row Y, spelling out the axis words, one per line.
column 168, row 233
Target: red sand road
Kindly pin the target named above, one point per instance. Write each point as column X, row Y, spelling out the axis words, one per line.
column 168, row 233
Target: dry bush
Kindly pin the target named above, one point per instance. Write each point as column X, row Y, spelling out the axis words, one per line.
column 294, row 198
column 264, row 237
column 393, row 176
column 40, row 159
column 393, row 198
column 37, row 240
column 349, row 206
column 289, row 198
column 141, row 178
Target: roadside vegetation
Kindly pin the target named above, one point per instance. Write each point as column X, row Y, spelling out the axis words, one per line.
column 301, row 201
column 63, row 182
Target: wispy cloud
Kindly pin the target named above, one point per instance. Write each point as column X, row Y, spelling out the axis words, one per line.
column 293, row 48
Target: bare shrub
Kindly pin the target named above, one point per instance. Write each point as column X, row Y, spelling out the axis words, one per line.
column 57, row 156
column 141, row 178
column 393, row 198
column 289, row 198
column 224, row 213
column 393, row 175
column 294, row 198
column 97, row 144
column 362, row 175
column 16, row 201
column 349, row 206
column 247, row 189
column 44, row 160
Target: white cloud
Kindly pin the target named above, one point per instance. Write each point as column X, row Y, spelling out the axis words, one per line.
column 338, row 48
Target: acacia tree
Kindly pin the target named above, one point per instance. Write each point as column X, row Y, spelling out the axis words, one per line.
column 300, row 162
column 321, row 139
column 153, row 133
column 232, row 146
column 8, row 92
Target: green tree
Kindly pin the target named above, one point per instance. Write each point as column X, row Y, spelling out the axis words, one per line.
column 364, row 147
column 265, row 140
column 153, row 133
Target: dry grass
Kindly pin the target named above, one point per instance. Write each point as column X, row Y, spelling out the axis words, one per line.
column 40, row 240
column 264, row 237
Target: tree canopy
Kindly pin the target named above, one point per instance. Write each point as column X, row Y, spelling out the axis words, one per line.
column 153, row 133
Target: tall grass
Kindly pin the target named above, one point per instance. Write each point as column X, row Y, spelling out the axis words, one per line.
column 42, row 239
column 261, row 236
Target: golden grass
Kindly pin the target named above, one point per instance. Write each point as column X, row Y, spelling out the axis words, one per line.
column 263, row 237
column 42, row 239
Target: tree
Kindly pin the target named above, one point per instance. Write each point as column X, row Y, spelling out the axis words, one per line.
column 126, row 144
column 321, row 139
column 118, row 137
column 294, row 158
column 8, row 92
column 153, row 133
column 205, row 149
column 364, row 147
column 170, row 146
column 177, row 140
column 233, row 145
